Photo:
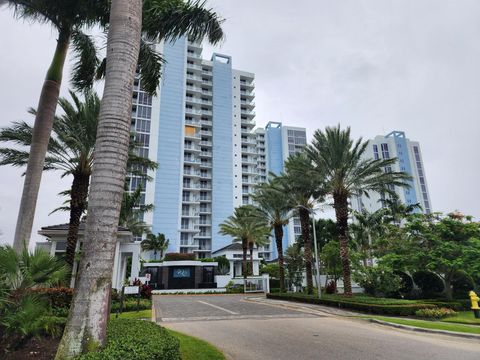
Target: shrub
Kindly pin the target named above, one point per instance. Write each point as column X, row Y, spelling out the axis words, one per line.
column 179, row 256
column 273, row 270
column 378, row 280
column 130, row 304
column 430, row 284
column 434, row 314
column 461, row 285
column 234, row 288
column 331, row 287
column 58, row 298
column 347, row 303
column 145, row 289
column 136, row 340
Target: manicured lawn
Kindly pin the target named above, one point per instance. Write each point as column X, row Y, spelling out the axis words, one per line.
column 193, row 348
column 142, row 314
column 438, row 325
column 463, row 317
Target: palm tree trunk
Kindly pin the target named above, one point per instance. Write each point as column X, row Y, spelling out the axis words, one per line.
column 244, row 260
column 78, row 203
column 86, row 325
column 42, row 128
column 250, row 248
column 305, row 223
column 341, row 212
column 281, row 266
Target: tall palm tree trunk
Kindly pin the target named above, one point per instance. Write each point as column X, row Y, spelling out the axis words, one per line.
column 244, row 260
column 86, row 325
column 78, row 203
column 42, row 128
column 340, row 204
column 305, row 223
column 250, row 248
column 281, row 266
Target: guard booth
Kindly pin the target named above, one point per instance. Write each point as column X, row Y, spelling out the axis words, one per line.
column 187, row 274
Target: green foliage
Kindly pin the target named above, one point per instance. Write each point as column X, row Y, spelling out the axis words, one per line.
column 136, row 340
column 234, row 288
column 155, row 243
column 434, row 314
column 130, row 304
column 429, row 283
column 273, row 270
column 295, row 265
column 57, row 297
column 330, row 257
column 179, row 256
column 378, row 280
column 192, row 348
column 347, row 303
column 223, row 265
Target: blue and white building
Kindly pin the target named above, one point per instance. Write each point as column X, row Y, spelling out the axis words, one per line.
column 409, row 155
column 283, row 141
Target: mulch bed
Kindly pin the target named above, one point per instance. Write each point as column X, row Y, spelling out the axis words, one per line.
column 36, row 348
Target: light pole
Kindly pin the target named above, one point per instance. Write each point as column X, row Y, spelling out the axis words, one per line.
column 315, row 247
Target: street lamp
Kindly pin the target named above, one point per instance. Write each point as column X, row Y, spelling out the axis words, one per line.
column 317, row 264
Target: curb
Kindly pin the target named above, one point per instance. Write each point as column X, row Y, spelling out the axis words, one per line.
column 424, row 330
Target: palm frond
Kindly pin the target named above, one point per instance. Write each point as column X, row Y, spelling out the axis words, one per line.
column 86, row 61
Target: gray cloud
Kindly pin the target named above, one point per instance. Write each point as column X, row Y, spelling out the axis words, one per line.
column 374, row 65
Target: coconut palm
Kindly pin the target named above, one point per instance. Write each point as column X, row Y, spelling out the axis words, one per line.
column 348, row 173
column 367, row 226
column 155, row 243
column 162, row 20
column 275, row 208
column 70, row 151
column 302, row 184
column 86, row 327
column 245, row 226
column 69, row 18
column 132, row 211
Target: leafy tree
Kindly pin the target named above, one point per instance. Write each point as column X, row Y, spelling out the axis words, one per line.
column 331, row 260
column 444, row 245
column 275, row 208
column 295, row 264
column 273, row 270
column 345, row 173
column 378, row 280
column 244, row 226
column 366, row 228
column 301, row 184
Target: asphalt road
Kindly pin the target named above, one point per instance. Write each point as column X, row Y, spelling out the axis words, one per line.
column 245, row 330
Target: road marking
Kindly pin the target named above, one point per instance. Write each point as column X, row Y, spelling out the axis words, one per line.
column 218, row 307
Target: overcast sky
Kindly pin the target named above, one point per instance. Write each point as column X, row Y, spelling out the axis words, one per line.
column 374, row 65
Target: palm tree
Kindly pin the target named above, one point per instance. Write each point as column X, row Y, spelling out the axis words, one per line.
column 366, row 226
column 301, row 183
column 85, row 330
column 347, row 173
column 275, row 208
column 162, row 20
column 261, row 239
column 132, row 210
column 70, row 151
column 155, row 243
column 245, row 226
column 396, row 211
column 69, row 19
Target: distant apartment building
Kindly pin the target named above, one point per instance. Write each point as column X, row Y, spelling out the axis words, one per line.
column 283, row 141
column 199, row 128
column 409, row 155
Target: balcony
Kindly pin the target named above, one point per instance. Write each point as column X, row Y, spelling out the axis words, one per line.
column 192, row 122
column 192, row 148
column 206, row 132
column 191, row 173
column 190, row 199
column 206, row 154
column 206, row 176
column 192, row 111
column 206, row 164
column 205, row 143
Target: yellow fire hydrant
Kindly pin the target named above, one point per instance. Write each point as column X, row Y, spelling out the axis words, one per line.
column 474, row 299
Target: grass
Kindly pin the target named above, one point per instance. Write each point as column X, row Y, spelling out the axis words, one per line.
column 192, row 348
column 142, row 314
column 463, row 317
column 437, row 325
column 365, row 299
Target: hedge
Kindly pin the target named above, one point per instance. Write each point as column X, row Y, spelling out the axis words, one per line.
column 136, row 340
column 398, row 310
column 179, row 256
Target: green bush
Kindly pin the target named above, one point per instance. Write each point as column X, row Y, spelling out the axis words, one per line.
column 434, row 314
column 136, row 340
column 130, row 304
column 179, row 256
column 381, row 309
column 58, row 297
column 378, row 280
column 234, row 288
column 429, row 282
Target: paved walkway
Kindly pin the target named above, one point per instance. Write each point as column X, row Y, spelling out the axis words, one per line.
column 256, row 328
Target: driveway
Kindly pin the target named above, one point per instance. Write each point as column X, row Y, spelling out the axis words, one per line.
column 265, row 329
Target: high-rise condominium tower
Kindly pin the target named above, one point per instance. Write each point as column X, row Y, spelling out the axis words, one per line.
column 395, row 144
